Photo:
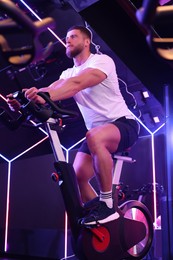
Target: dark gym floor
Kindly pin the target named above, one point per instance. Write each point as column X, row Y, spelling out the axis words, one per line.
column 24, row 257
column 21, row 257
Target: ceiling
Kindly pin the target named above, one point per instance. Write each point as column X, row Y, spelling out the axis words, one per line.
column 118, row 34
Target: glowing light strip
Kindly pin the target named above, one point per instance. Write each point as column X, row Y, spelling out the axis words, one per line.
column 3, row 157
column 66, row 222
column 148, row 130
column 154, row 177
column 81, row 140
column 56, row 36
column 66, row 236
column 71, row 147
column 135, row 217
column 52, row 32
column 3, row 97
column 159, row 128
column 40, row 128
column 7, row 207
column 30, row 148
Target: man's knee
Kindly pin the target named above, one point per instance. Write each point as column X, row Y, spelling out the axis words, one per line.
column 93, row 141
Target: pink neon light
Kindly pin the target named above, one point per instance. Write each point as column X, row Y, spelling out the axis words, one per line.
column 3, row 97
column 154, row 178
column 66, row 236
column 7, row 207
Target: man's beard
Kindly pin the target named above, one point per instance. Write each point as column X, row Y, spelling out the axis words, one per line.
column 72, row 54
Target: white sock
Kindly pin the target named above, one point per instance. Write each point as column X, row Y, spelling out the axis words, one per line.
column 107, row 198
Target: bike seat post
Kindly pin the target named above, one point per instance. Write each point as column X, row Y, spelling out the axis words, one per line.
column 118, row 164
column 119, row 159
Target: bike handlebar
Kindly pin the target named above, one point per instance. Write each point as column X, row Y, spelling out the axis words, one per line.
column 43, row 112
column 40, row 112
column 20, row 22
column 57, row 110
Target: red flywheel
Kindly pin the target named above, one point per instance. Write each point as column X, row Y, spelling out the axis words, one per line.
column 100, row 239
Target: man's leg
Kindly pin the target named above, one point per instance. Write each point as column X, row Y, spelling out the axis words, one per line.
column 83, row 166
column 102, row 142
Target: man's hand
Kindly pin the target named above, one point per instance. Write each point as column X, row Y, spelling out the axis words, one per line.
column 31, row 94
column 13, row 104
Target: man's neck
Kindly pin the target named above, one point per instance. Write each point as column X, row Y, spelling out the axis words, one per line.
column 80, row 59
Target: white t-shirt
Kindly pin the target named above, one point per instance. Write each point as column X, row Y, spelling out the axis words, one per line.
column 102, row 103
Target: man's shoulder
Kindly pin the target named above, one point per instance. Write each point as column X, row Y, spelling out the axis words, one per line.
column 102, row 56
column 67, row 72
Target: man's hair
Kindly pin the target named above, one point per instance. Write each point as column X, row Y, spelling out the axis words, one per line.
column 81, row 28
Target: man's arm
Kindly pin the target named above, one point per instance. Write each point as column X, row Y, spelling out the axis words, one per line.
column 67, row 88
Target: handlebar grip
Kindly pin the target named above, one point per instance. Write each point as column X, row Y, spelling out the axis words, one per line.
column 61, row 112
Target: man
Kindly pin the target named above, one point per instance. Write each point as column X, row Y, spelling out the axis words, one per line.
column 93, row 83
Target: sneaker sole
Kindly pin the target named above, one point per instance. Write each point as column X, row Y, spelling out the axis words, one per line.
column 105, row 220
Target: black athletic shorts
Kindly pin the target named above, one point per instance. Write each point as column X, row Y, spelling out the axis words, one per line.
column 129, row 129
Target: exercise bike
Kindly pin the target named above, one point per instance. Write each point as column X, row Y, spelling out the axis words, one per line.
column 127, row 237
